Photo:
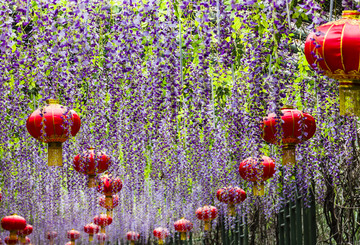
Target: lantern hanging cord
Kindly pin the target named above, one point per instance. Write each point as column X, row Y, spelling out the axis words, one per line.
column 331, row 9
column 27, row 10
column 288, row 13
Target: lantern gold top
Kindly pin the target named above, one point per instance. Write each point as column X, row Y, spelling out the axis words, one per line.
column 351, row 14
column 52, row 101
column 91, row 148
column 287, row 107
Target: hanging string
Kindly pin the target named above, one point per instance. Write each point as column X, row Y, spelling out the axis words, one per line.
column 27, row 10
column 331, row 9
column 288, row 13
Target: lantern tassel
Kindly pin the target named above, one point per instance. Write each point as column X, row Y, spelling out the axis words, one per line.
column 258, row 189
column 54, row 154
column 13, row 235
column 288, row 157
column 231, row 209
column 23, row 239
column 91, row 237
column 102, row 229
column 207, row 225
column 91, row 181
column 183, row 236
column 109, row 212
column 161, row 242
column 109, row 201
column 132, row 243
column 349, row 93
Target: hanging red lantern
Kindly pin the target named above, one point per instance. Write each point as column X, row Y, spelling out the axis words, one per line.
column 51, row 236
column 183, row 225
column 115, row 203
column 109, row 186
column 207, row 214
column 13, row 223
column 231, row 196
column 23, row 233
column 334, row 49
column 296, row 127
column 132, row 236
column 91, row 163
column 53, row 124
column 257, row 171
column 73, row 235
column 161, row 233
column 101, row 237
column 9, row 240
column 91, row 229
column 103, row 220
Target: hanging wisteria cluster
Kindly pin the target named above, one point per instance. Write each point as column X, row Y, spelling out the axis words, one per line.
column 174, row 94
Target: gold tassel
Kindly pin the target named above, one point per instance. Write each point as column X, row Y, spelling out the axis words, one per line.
column 207, row 225
column 23, row 239
column 102, row 229
column 13, row 235
column 161, row 242
column 132, row 243
column 183, row 236
column 55, row 154
column 91, row 237
column 109, row 201
column 231, row 208
column 109, row 212
column 91, row 181
column 288, row 157
column 349, row 93
column 258, row 189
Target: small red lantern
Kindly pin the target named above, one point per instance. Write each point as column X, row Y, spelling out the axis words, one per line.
column 109, row 186
column 334, row 49
column 73, row 235
column 27, row 231
column 91, row 229
column 9, row 240
column 183, row 225
column 0, row 196
column 13, row 223
column 161, row 234
column 115, row 203
column 91, row 163
column 103, row 220
column 51, row 236
column 207, row 214
column 132, row 236
column 101, row 237
column 297, row 127
column 231, row 196
column 53, row 124
column 257, row 170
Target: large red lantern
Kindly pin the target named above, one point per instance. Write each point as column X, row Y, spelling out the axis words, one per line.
column 257, row 171
column 183, row 225
column 103, row 220
column 115, row 203
column 91, row 229
column 73, row 235
column 207, row 214
column 161, row 233
column 53, row 124
column 334, row 48
column 132, row 236
column 109, row 186
column 231, row 196
column 295, row 127
column 13, row 223
column 23, row 233
column 91, row 163
column 9, row 240
column 51, row 236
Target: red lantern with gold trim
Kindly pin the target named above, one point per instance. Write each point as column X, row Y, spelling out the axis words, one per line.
column 91, row 229
column 51, row 235
column 13, row 223
column 103, row 220
column 132, row 236
column 257, row 171
column 295, row 127
column 183, row 225
column 207, row 214
column 73, row 235
column 109, row 186
column 231, row 196
column 101, row 237
column 334, row 48
column 109, row 209
column 53, row 124
column 22, row 234
column 91, row 163
column 9, row 240
column 161, row 233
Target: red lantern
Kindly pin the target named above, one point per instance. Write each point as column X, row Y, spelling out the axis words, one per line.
column 109, row 186
column 9, row 240
column 13, row 223
column 53, row 124
column 183, row 225
column 73, row 235
column 102, row 220
column 231, row 196
column 91, row 229
column 27, row 231
column 161, row 234
column 91, row 163
column 207, row 214
column 0, row 196
column 334, row 49
column 51, row 236
column 115, row 203
column 132, row 236
column 101, row 238
column 296, row 127
column 257, row 171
